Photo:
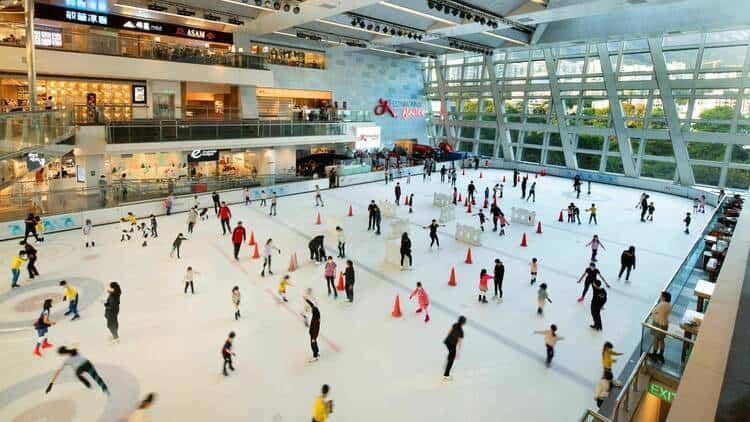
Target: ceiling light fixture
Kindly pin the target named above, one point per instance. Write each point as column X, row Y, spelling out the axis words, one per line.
column 296, row 10
column 416, row 12
column 161, row 12
column 185, row 12
column 477, row 14
column 276, row 5
column 257, row 5
column 503, row 37
column 287, row 7
column 341, row 25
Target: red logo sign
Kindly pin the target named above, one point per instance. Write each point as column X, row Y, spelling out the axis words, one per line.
column 383, row 107
column 406, row 108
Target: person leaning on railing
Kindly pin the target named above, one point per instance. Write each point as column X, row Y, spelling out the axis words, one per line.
column 660, row 319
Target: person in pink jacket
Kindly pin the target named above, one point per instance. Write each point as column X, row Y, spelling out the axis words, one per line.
column 483, row 279
column 330, row 274
column 423, row 300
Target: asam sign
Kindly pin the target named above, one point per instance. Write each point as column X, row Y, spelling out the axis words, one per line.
column 406, row 109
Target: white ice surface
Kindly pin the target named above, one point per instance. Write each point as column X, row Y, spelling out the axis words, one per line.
column 379, row 368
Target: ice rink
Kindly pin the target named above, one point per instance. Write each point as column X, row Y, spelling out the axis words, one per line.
column 379, row 367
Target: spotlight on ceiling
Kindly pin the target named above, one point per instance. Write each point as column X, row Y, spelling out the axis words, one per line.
column 369, row 27
column 295, row 10
column 400, row 32
column 258, row 2
column 377, row 28
column 393, row 31
column 157, row 7
column 454, row 12
column 287, row 7
column 185, row 12
column 438, row 7
column 234, row 21
column 430, row 4
column 211, row 17
column 362, row 24
column 276, row 5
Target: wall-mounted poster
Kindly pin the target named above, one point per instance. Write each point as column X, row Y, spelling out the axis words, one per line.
column 139, row 94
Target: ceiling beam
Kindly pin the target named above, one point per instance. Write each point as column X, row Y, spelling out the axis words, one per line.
column 310, row 11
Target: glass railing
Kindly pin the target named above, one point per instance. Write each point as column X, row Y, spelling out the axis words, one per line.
column 120, row 45
column 21, row 198
column 23, row 131
column 183, row 130
column 101, row 114
column 354, row 115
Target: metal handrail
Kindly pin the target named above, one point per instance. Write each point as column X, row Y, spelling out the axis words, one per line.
column 594, row 414
column 667, row 333
column 625, row 391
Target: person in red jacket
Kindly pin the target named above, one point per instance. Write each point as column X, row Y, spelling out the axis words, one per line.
column 224, row 216
column 238, row 236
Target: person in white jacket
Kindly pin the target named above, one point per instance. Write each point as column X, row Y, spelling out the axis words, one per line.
column 602, row 388
column 87, row 227
column 341, row 241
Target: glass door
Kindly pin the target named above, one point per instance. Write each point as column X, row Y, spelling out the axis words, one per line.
column 164, row 106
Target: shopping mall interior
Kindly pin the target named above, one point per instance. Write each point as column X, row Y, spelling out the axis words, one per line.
column 328, row 210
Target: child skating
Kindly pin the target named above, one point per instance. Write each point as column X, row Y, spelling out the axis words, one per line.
column 80, row 365
column 176, row 245
column 651, row 210
column 483, row 279
column 687, row 223
column 542, row 298
column 268, row 249
column 87, row 229
column 189, row 278
column 550, row 339
column 592, row 214
column 227, row 353
column 329, row 272
column 422, row 299
column 283, row 285
column 71, row 295
column 236, row 302
column 482, row 219
column 503, row 222
column 534, row 269
column 41, row 325
column 595, row 244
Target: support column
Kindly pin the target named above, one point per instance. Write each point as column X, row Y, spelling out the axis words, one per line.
column 554, row 87
column 618, row 121
column 684, row 170
column 30, row 53
column 501, row 131
column 444, row 104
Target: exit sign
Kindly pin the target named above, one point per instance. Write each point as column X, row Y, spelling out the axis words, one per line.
column 662, row 391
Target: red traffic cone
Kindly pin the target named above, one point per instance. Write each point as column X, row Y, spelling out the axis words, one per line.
column 468, row 256
column 503, row 179
column 480, row 174
column 560, row 218
column 340, row 285
column 256, row 255
column 459, row 197
column 486, row 163
column 486, row 203
column 539, row 227
column 396, row 308
column 463, row 172
column 251, row 242
column 292, row 263
column 466, row 202
column 349, row 214
column 452, row 279
column 469, row 209
column 317, row 219
column 473, row 201
column 406, row 200
column 523, row 241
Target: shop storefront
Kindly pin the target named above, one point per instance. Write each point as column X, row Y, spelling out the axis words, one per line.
column 204, row 101
column 288, row 56
column 295, row 104
column 158, row 165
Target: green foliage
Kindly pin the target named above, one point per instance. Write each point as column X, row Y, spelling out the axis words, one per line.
column 716, row 113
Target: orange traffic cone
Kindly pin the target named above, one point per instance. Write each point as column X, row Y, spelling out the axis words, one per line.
column 469, row 209
column 349, row 214
column 503, row 179
column 406, row 200
column 473, row 201
column 340, row 285
column 539, row 227
column 292, row 264
column 459, row 197
column 256, row 255
column 251, row 242
column 466, row 202
column 523, row 241
column 486, row 203
column 480, row 174
column 560, row 218
column 317, row 219
column 468, row 256
column 396, row 308
column 452, row 279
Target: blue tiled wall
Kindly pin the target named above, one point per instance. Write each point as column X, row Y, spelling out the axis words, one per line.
column 361, row 79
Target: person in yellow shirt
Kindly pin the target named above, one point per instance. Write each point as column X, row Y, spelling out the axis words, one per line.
column 40, row 228
column 322, row 407
column 15, row 268
column 71, row 295
column 608, row 358
column 283, row 284
column 132, row 220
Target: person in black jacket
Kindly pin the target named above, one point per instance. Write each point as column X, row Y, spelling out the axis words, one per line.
column 627, row 262
column 31, row 254
column 314, row 330
column 217, row 203
column 498, row 278
column 112, row 310
column 349, row 280
column 371, row 215
column 405, row 249
column 523, row 187
column 317, row 250
column 597, row 303
column 30, row 227
column 397, row 192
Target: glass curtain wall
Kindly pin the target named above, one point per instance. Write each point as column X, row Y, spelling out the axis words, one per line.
column 556, row 98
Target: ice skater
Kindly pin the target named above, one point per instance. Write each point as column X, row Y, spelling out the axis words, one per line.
column 651, row 210
column 216, row 202
column 274, row 202
column 80, row 365
column 349, row 280
column 523, row 187
column 263, row 198
column 176, row 245
column 702, row 204
column 453, row 343
column 268, row 249
column 236, row 302
column 32, row 255
column 371, row 215
column 644, row 206
column 603, row 388
column 87, row 230
column 318, row 197
column 541, row 298
column 239, row 234
column 411, row 203
column 627, row 263
column 422, row 299
column 405, row 250
column 595, row 244
column 41, row 325
column 534, row 269
column 598, row 300
column 154, row 227
column 397, row 192
column 192, row 217
column 591, row 274
column 317, row 250
column 329, row 272
column 71, row 295
column 482, row 218
column 124, row 230
column 283, row 285
column 695, row 205
column 112, row 310
column 322, row 407
column 15, row 268
column 608, row 359
column 687, row 220
column 188, row 279
column 227, row 353
column 341, row 242
column 314, row 329
column 246, row 195
column 499, row 274
column 470, row 192
column 592, row 214
column 503, row 222
column 550, row 339
column 483, row 279
column 433, row 227
column 532, row 192
column 225, row 214
column 307, row 296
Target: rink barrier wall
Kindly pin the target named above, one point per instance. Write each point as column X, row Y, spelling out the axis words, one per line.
column 712, row 198
column 143, row 209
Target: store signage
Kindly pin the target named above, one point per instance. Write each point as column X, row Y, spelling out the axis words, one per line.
column 405, row 109
column 662, row 391
column 90, row 5
column 203, row 155
column 367, row 137
column 47, row 11
column 34, row 161
column 139, row 94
